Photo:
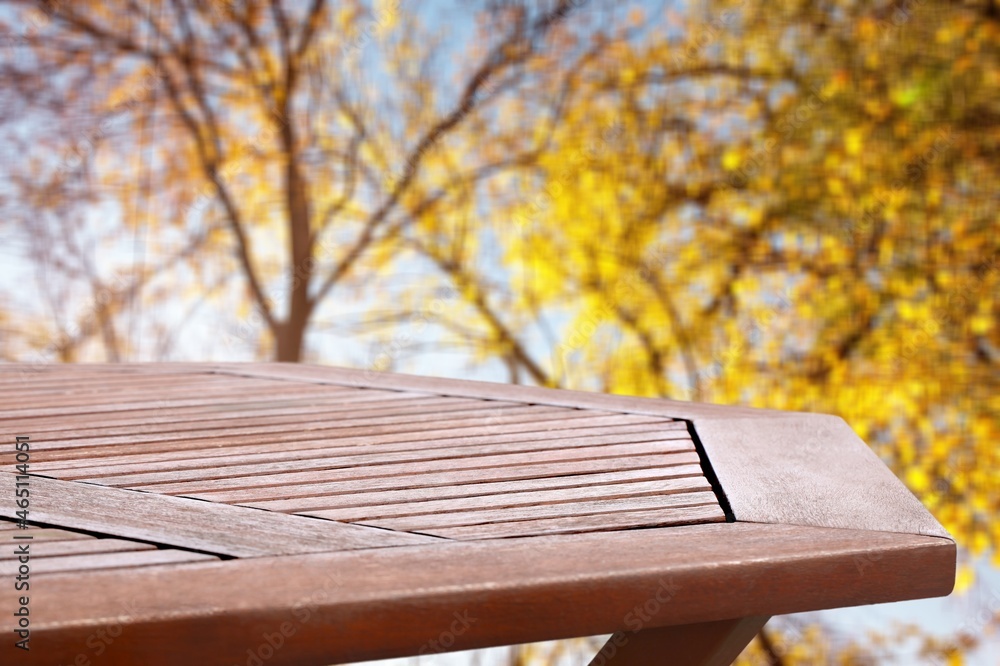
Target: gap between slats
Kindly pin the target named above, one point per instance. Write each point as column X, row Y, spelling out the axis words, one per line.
column 485, row 466
column 592, row 523
column 462, row 518
column 312, row 428
column 681, row 464
column 487, row 489
column 483, row 456
column 451, row 506
column 392, row 442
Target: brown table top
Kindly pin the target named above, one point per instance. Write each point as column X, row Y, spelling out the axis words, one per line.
column 198, row 509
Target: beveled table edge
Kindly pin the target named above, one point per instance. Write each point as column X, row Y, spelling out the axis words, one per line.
column 381, row 603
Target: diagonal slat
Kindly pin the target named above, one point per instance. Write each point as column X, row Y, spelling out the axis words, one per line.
column 186, row 523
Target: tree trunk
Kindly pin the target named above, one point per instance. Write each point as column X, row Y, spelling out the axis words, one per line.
column 290, row 341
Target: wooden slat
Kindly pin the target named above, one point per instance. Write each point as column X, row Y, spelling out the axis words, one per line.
column 70, row 394
column 442, row 428
column 123, row 398
column 394, row 433
column 684, row 465
column 118, row 407
column 602, row 522
column 77, row 547
column 223, row 409
column 40, row 534
column 681, row 474
column 513, row 499
column 361, row 455
column 18, row 371
column 61, row 381
column 474, row 434
column 365, row 465
column 355, row 606
column 94, row 562
column 186, row 523
column 532, row 512
column 330, row 427
column 305, row 418
column 394, row 442
column 484, row 468
column 80, row 369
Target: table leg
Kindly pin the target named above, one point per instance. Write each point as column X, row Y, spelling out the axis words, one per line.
column 704, row 644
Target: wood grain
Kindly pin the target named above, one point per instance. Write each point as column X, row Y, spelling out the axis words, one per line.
column 569, row 481
column 579, row 507
column 108, row 560
column 223, row 408
column 620, row 519
column 464, row 502
column 221, row 451
column 40, row 534
column 185, row 523
column 97, row 406
column 751, row 450
column 539, row 513
column 361, row 466
column 311, row 410
column 78, row 547
column 391, row 602
column 297, row 484
column 394, row 432
column 810, row 469
column 331, row 426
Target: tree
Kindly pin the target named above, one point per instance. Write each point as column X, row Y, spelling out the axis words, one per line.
column 258, row 123
column 791, row 209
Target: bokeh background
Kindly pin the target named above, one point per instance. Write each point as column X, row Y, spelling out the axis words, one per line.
column 780, row 204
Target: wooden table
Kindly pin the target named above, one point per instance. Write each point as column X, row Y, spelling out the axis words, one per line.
column 272, row 514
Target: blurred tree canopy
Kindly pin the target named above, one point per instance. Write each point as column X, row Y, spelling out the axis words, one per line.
column 789, row 205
